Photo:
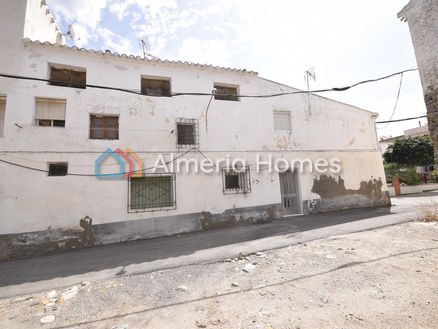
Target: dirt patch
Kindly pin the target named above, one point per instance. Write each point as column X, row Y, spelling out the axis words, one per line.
column 374, row 279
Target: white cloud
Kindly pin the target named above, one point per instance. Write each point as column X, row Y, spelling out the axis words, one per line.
column 211, row 51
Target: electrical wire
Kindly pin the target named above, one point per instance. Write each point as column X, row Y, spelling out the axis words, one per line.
column 94, row 175
column 11, row 76
column 405, row 119
column 396, row 102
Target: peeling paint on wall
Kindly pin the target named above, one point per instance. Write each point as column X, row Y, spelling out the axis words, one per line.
column 334, row 194
column 25, row 245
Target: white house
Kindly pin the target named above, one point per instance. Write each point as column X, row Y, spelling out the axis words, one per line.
column 54, row 129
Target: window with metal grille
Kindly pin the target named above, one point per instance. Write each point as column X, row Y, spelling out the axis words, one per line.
column 155, row 87
column 50, row 112
column 68, row 77
column 236, row 180
column 104, row 127
column 152, row 192
column 282, row 120
column 187, row 132
column 2, row 114
column 58, row 168
column 226, row 93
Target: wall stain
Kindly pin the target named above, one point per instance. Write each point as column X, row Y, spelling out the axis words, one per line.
column 52, row 241
column 334, row 194
column 328, row 186
column 120, row 67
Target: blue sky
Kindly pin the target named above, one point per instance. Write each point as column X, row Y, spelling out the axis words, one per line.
column 346, row 41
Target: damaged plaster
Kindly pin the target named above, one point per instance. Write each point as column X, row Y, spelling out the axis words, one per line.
column 334, row 194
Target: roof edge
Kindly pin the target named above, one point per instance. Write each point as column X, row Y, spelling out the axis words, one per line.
column 28, row 41
column 373, row 114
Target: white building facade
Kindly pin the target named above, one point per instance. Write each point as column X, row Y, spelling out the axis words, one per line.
column 51, row 135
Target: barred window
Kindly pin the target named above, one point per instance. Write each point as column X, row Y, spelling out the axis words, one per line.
column 152, row 192
column 236, row 180
column 187, row 133
column 104, row 127
column 50, row 112
column 68, row 77
column 282, row 120
column 155, row 87
column 226, row 93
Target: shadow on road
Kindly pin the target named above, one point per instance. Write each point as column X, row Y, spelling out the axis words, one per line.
column 135, row 252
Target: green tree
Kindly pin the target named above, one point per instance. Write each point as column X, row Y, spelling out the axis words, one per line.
column 410, row 151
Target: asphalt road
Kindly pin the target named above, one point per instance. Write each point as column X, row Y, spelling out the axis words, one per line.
column 55, row 271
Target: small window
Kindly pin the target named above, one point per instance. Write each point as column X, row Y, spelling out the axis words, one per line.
column 282, row 120
column 226, row 93
column 67, row 77
column 50, row 112
column 152, row 192
column 155, row 87
column 58, row 169
column 2, row 115
column 104, row 127
column 236, row 180
column 187, row 132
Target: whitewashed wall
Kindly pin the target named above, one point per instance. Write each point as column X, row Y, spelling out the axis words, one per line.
column 31, row 201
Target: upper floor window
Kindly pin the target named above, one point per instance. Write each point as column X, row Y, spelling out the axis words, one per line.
column 50, row 112
column 226, row 93
column 68, row 77
column 104, row 127
column 155, row 86
column 282, row 120
column 187, row 133
column 2, row 114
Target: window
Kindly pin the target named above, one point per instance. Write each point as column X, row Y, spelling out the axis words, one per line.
column 282, row 120
column 2, row 114
column 187, row 133
column 155, row 87
column 104, row 127
column 50, row 112
column 236, row 180
column 226, row 93
column 68, row 77
column 152, row 192
column 58, row 168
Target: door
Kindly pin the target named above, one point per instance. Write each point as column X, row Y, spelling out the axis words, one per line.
column 289, row 192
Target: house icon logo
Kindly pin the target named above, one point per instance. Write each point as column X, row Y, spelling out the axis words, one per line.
column 130, row 165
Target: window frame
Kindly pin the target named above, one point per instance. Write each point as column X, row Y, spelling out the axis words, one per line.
column 52, row 121
column 157, row 79
column 57, row 164
column 172, row 205
column 279, row 112
column 105, row 116
column 243, row 176
column 186, row 122
column 229, row 98
column 69, row 83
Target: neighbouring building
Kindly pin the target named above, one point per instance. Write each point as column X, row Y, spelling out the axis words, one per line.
column 53, row 132
column 384, row 143
column 422, row 17
column 421, row 130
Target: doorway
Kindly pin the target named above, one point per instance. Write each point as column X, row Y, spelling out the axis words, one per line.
column 289, row 192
